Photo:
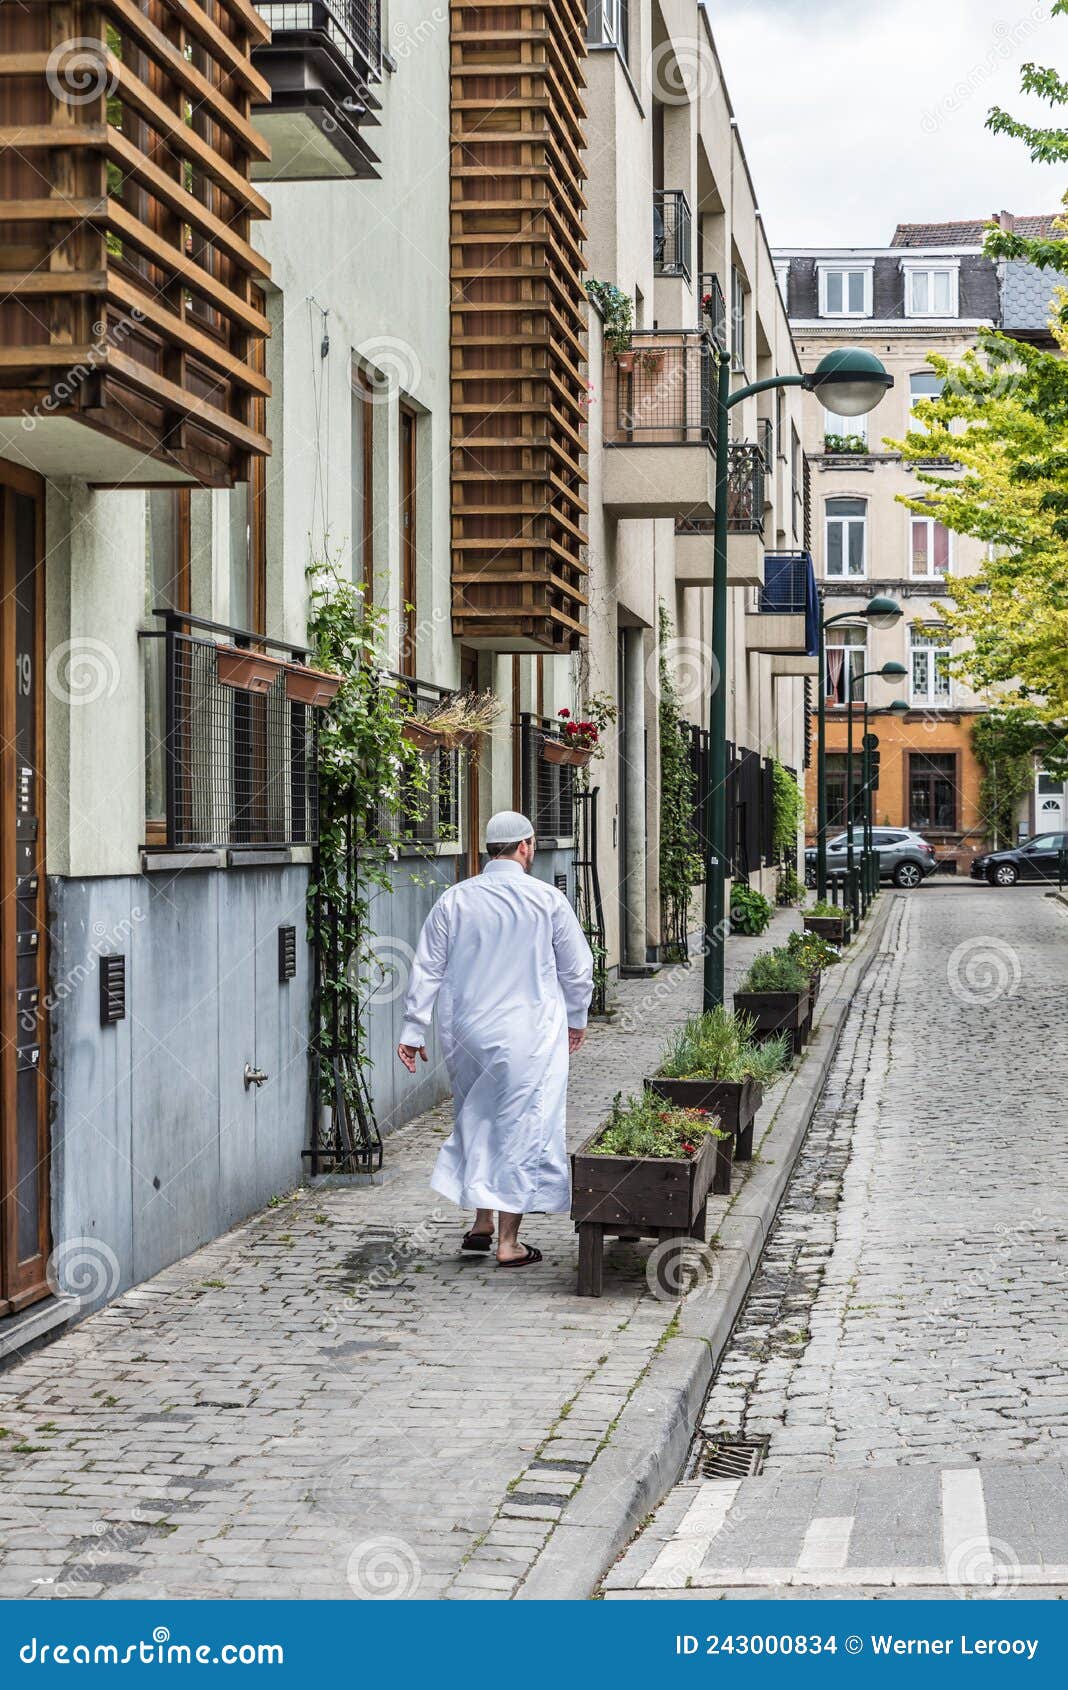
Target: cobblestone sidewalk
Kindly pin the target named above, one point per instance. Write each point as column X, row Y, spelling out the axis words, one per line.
column 329, row 1401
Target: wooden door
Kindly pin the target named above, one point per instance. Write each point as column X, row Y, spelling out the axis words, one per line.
column 24, row 1188
column 472, row 858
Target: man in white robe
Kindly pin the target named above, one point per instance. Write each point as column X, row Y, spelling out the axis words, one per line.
column 508, row 964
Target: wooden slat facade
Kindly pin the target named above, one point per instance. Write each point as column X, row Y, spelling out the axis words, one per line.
column 518, row 324
column 127, row 274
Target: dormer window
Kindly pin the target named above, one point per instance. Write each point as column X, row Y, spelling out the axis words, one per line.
column 845, row 292
column 930, row 290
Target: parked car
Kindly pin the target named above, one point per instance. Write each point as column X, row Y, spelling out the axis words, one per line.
column 1035, row 859
column 905, row 858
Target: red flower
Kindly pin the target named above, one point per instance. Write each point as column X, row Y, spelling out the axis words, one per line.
column 689, row 1148
column 563, row 712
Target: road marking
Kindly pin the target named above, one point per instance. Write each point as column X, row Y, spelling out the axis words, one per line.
column 826, row 1545
column 848, row 1578
column 703, row 1520
column 966, row 1553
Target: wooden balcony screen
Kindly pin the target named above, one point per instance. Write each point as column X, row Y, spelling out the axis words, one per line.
column 519, row 388
column 128, row 287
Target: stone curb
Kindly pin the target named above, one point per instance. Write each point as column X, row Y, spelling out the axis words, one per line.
column 648, row 1447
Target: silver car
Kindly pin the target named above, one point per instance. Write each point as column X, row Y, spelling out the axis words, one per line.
column 904, row 857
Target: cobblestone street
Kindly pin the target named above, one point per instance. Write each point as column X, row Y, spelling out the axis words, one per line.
column 329, row 1401
column 909, row 1310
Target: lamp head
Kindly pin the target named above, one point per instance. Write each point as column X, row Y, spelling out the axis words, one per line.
column 849, row 381
column 898, row 708
column 893, row 672
column 882, row 612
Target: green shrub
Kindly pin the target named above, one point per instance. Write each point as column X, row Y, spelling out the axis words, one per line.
column 789, row 889
column 647, row 1126
column 823, row 908
column 720, row 1046
column 774, row 971
column 750, row 911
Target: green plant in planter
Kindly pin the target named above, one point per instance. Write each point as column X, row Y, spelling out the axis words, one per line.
column 617, row 313
column 720, row 1046
column 789, row 889
column 812, row 953
column 775, row 971
column 846, row 445
column 647, row 1126
column 750, row 911
column 825, row 909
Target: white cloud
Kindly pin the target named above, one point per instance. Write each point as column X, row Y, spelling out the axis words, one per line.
column 855, row 119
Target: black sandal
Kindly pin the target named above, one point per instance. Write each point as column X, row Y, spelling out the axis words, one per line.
column 476, row 1242
column 531, row 1258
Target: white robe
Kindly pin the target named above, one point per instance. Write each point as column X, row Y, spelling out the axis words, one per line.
column 514, row 971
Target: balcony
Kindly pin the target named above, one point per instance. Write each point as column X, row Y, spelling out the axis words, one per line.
column 784, row 621
column 547, row 790
column 746, row 505
column 659, row 423
column 713, row 308
column 694, row 542
column 131, row 326
column 231, row 762
column 672, row 233
column 319, row 64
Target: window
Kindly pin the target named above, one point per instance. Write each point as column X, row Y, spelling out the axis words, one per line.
column 929, row 547
column 933, row 792
column 737, row 320
column 846, row 660
column 836, row 792
column 929, row 664
column 607, row 23
column 797, row 481
column 931, row 291
column 855, row 427
column 845, row 293
column 924, row 384
column 167, row 585
column 782, row 280
column 363, row 482
column 847, row 524
column 409, row 555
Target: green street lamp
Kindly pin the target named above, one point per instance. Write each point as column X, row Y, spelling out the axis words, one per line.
column 879, row 612
column 850, row 382
column 892, row 672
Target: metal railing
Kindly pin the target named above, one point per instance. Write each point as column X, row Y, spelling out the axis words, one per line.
column 239, row 767
column 431, row 816
column 713, row 307
column 672, row 233
column 786, row 589
column 354, row 26
column 547, row 789
column 661, row 390
column 745, row 488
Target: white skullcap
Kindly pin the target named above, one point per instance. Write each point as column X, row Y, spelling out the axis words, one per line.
column 508, row 827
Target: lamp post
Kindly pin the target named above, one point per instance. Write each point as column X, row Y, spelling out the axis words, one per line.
column 892, row 672
column 897, row 708
column 851, row 383
column 878, row 613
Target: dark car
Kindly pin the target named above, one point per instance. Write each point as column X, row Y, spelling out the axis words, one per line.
column 904, row 856
column 1037, row 859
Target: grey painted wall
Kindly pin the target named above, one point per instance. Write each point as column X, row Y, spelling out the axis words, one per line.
column 157, row 1146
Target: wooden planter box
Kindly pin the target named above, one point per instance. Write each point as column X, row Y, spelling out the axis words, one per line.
column 833, row 928
column 638, row 1197
column 557, row 751
column 311, row 686
column 734, row 1101
column 777, row 1012
column 248, row 671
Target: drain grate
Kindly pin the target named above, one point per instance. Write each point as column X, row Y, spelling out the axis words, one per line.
column 728, row 1458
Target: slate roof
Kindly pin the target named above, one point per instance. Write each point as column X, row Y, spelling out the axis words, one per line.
column 970, row 233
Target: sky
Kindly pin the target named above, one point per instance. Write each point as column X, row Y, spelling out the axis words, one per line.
column 855, row 118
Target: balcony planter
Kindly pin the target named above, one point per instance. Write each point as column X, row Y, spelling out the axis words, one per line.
column 778, row 1012
column 625, row 362
column 652, row 362
column 557, row 751
column 637, row 1196
column 423, row 738
column 833, row 928
column 248, row 671
column 735, row 1102
column 314, row 687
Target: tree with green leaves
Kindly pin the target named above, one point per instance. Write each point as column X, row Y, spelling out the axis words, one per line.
column 1002, row 421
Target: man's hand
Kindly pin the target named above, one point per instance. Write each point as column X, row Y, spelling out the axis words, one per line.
column 408, row 1054
column 576, row 1037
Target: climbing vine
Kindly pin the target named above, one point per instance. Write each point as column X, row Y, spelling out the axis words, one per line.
column 365, row 769
column 1005, row 747
column 681, row 868
column 788, row 812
